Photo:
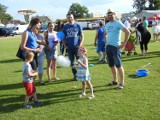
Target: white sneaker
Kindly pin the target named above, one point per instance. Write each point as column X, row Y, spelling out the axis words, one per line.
column 91, row 97
column 82, row 94
column 121, row 86
column 100, row 59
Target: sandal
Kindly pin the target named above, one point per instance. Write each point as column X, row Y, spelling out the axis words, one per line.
column 112, row 83
column 91, row 97
column 121, row 86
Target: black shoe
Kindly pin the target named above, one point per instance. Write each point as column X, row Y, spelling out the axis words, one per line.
column 112, row 83
column 37, row 103
column 75, row 78
column 41, row 83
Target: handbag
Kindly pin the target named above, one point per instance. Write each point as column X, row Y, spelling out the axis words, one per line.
column 20, row 53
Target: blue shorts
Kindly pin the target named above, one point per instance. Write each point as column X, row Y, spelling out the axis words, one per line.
column 51, row 54
column 101, row 48
column 113, row 56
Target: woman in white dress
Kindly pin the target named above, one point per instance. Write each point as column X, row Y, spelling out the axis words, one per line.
column 155, row 29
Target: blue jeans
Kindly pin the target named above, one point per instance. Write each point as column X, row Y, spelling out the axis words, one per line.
column 113, row 56
column 72, row 54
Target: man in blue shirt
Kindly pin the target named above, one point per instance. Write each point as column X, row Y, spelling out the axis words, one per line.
column 113, row 47
column 73, row 39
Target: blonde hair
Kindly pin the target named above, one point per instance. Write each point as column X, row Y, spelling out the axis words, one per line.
column 83, row 49
column 29, row 55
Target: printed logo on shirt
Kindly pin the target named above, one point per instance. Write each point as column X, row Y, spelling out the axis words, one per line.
column 72, row 32
column 110, row 28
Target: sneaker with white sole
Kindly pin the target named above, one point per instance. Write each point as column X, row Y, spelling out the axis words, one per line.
column 27, row 106
column 91, row 97
column 82, row 94
column 100, row 59
column 121, row 86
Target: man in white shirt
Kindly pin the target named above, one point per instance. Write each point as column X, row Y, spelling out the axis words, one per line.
column 127, row 23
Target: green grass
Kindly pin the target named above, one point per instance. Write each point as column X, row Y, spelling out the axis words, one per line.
column 139, row 100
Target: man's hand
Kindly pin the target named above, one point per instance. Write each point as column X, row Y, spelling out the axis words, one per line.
column 122, row 45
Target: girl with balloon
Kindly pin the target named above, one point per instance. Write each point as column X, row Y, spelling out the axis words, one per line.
column 51, row 50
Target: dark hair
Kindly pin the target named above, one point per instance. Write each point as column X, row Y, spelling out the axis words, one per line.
column 100, row 23
column 33, row 22
column 49, row 23
column 60, row 25
column 70, row 13
column 111, row 13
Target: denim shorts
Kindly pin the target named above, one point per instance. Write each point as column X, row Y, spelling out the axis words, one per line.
column 51, row 54
column 113, row 56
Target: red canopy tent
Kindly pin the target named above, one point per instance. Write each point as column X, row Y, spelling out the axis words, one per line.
column 155, row 15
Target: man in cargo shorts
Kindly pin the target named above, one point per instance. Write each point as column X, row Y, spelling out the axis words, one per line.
column 113, row 47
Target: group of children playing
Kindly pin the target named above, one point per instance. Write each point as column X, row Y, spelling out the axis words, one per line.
column 29, row 76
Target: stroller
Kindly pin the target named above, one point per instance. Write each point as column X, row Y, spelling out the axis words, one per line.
column 130, row 45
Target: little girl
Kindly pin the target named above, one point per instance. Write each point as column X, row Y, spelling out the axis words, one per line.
column 83, row 72
column 51, row 51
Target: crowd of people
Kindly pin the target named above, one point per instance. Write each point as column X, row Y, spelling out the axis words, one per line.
column 108, row 46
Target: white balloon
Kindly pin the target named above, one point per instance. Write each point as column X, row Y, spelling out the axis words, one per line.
column 63, row 61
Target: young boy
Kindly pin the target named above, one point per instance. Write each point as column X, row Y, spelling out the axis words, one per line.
column 28, row 76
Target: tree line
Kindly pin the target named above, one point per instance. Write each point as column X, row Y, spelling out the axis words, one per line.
column 80, row 11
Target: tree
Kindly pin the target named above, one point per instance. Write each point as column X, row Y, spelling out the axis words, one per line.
column 153, row 5
column 3, row 15
column 141, row 5
column 79, row 11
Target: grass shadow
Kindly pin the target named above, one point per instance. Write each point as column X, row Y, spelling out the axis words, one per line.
column 11, row 86
column 134, row 76
column 11, row 61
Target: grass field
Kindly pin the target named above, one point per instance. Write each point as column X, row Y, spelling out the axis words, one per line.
column 139, row 100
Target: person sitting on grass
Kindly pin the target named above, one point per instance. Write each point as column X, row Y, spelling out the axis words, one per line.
column 28, row 75
column 83, row 74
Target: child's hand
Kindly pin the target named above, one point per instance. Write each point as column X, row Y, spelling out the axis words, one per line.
column 79, row 61
column 36, row 73
column 74, row 67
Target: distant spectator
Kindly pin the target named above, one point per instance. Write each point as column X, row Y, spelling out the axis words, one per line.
column 145, row 38
column 100, row 42
column 155, row 29
column 60, row 27
column 127, row 23
column 145, row 22
column 138, row 34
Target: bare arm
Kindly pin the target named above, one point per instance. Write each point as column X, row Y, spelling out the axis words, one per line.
column 105, row 38
column 32, row 74
column 84, row 64
column 96, row 37
column 81, row 39
column 127, row 34
column 24, row 41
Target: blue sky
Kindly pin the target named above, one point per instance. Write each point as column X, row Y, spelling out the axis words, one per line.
column 57, row 9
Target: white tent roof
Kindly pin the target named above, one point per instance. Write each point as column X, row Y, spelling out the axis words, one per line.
column 152, row 11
